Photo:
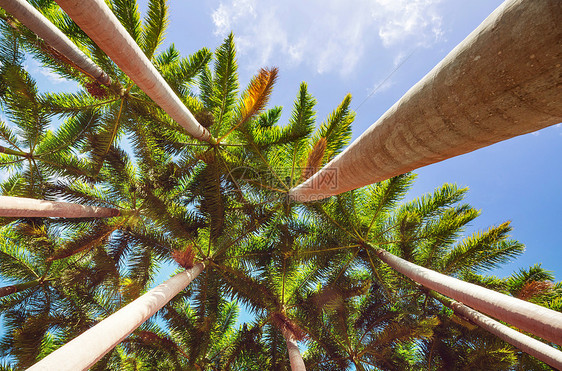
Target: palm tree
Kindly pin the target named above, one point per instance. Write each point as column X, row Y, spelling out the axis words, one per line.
column 105, row 112
column 225, row 206
column 50, row 304
column 354, row 323
column 204, row 330
column 151, row 200
column 54, row 38
column 85, row 350
column 455, row 117
column 30, row 147
column 421, row 231
column 536, row 319
column 98, row 21
column 533, row 347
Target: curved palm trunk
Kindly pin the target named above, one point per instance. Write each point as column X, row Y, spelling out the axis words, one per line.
column 97, row 20
column 295, row 357
column 11, row 289
column 85, row 350
column 41, row 26
column 21, row 207
column 498, row 83
column 529, row 317
column 533, row 347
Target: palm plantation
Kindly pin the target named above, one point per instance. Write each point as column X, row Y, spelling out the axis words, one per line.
column 307, row 275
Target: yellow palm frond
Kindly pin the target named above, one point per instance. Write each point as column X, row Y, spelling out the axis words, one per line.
column 314, row 160
column 255, row 97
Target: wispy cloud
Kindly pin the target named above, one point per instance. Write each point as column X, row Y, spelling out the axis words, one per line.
column 405, row 19
column 35, row 68
column 328, row 35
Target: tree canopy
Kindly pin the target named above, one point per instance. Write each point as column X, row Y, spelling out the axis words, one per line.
column 273, row 266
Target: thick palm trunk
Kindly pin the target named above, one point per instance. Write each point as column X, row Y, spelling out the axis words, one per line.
column 503, row 80
column 85, row 350
column 43, row 28
column 535, row 348
column 20, row 207
column 11, row 289
column 529, row 317
column 295, row 357
column 97, row 20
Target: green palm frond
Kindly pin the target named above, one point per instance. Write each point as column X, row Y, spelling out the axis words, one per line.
column 483, row 250
column 336, row 129
column 128, row 15
column 154, row 27
column 224, row 83
column 180, row 73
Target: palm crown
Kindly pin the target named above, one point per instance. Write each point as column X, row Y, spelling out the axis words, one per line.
column 307, row 272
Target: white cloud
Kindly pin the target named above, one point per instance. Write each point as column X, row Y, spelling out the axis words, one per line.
column 51, row 76
column 328, row 35
column 404, row 19
column 227, row 15
column 381, row 86
column 34, row 67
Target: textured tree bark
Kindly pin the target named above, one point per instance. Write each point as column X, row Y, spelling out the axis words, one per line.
column 503, row 80
column 20, row 207
column 89, row 347
column 41, row 26
column 537, row 320
column 295, row 357
column 533, row 347
column 97, row 20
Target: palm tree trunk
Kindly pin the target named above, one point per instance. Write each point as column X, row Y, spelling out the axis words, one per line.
column 97, row 20
column 533, row 347
column 529, row 317
column 295, row 357
column 20, row 207
column 86, row 349
column 11, row 289
column 498, row 83
column 41, row 26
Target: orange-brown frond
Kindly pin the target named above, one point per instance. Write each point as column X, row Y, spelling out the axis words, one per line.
column 148, row 336
column 184, row 257
column 534, row 288
column 258, row 93
column 314, row 160
column 96, row 89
